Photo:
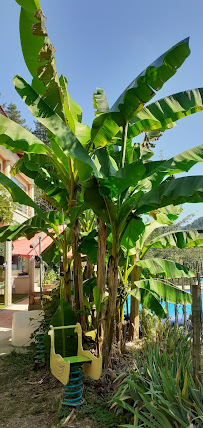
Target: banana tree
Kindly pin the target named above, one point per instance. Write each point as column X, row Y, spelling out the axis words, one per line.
column 143, row 286
column 119, row 181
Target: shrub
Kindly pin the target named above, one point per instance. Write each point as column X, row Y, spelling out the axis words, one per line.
column 161, row 392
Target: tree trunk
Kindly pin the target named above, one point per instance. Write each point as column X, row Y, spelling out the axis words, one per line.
column 196, row 323
column 67, row 285
column 134, row 308
column 101, row 270
column 90, row 274
column 112, row 281
column 184, row 306
column 77, row 275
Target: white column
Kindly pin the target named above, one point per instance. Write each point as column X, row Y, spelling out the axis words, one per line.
column 31, row 188
column 8, row 273
column 8, row 256
column 32, row 274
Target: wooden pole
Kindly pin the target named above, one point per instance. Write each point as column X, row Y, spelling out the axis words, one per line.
column 184, row 306
column 196, row 322
column 176, row 315
column 166, row 308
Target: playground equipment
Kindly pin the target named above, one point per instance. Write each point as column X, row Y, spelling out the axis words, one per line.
column 68, row 370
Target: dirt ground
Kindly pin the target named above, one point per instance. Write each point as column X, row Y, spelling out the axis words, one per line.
column 31, row 397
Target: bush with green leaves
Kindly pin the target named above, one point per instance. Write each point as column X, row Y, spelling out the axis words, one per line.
column 50, row 276
column 161, row 392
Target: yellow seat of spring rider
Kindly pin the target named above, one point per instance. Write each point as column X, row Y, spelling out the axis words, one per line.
column 68, row 369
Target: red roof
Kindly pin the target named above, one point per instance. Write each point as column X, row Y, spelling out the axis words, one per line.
column 22, row 246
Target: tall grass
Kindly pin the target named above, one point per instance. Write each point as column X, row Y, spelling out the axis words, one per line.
column 161, row 392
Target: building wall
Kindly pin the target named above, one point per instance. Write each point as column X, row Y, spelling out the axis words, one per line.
column 21, row 214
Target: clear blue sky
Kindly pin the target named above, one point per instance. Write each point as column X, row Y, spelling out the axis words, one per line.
column 106, row 44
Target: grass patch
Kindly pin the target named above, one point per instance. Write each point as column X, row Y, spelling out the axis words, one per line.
column 15, row 298
column 32, row 397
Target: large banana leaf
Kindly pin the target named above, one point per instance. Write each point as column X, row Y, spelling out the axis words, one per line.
column 157, row 170
column 163, row 113
column 149, row 300
column 121, row 179
column 139, row 92
column 30, row 227
column 131, row 234
column 179, row 238
column 166, row 268
column 39, row 57
column 39, row 54
column 163, row 217
column 16, row 138
column 19, row 195
column 44, row 114
column 172, row 192
column 165, row 290
column 73, row 114
column 106, row 165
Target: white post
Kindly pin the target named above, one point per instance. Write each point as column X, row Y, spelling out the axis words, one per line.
column 8, row 273
column 32, row 274
column 31, row 188
column 8, row 257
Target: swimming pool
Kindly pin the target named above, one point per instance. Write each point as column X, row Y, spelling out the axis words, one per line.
column 171, row 310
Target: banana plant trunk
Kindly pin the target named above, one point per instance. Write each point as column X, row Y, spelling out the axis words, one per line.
column 134, row 308
column 90, row 274
column 109, row 332
column 67, row 284
column 77, row 275
column 101, row 270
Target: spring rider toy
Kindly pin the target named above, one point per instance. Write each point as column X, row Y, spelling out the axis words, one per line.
column 68, row 370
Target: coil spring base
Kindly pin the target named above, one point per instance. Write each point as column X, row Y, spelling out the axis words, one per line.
column 73, row 389
column 40, row 353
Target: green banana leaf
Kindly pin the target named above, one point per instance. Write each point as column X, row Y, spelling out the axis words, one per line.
column 52, row 254
column 89, row 245
column 19, row 195
column 16, row 138
column 106, row 165
column 179, row 239
column 73, row 114
column 149, row 300
column 39, row 54
column 163, row 113
column 164, row 217
column 165, row 290
column 120, row 181
column 39, row 57
column 131, row 234
column 172, row 192
column 157, row 170
column 140, row 91
column 44, row 114
column 167, row 268
column 32, row 226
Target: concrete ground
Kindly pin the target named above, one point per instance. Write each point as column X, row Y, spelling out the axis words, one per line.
column 6, row 316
